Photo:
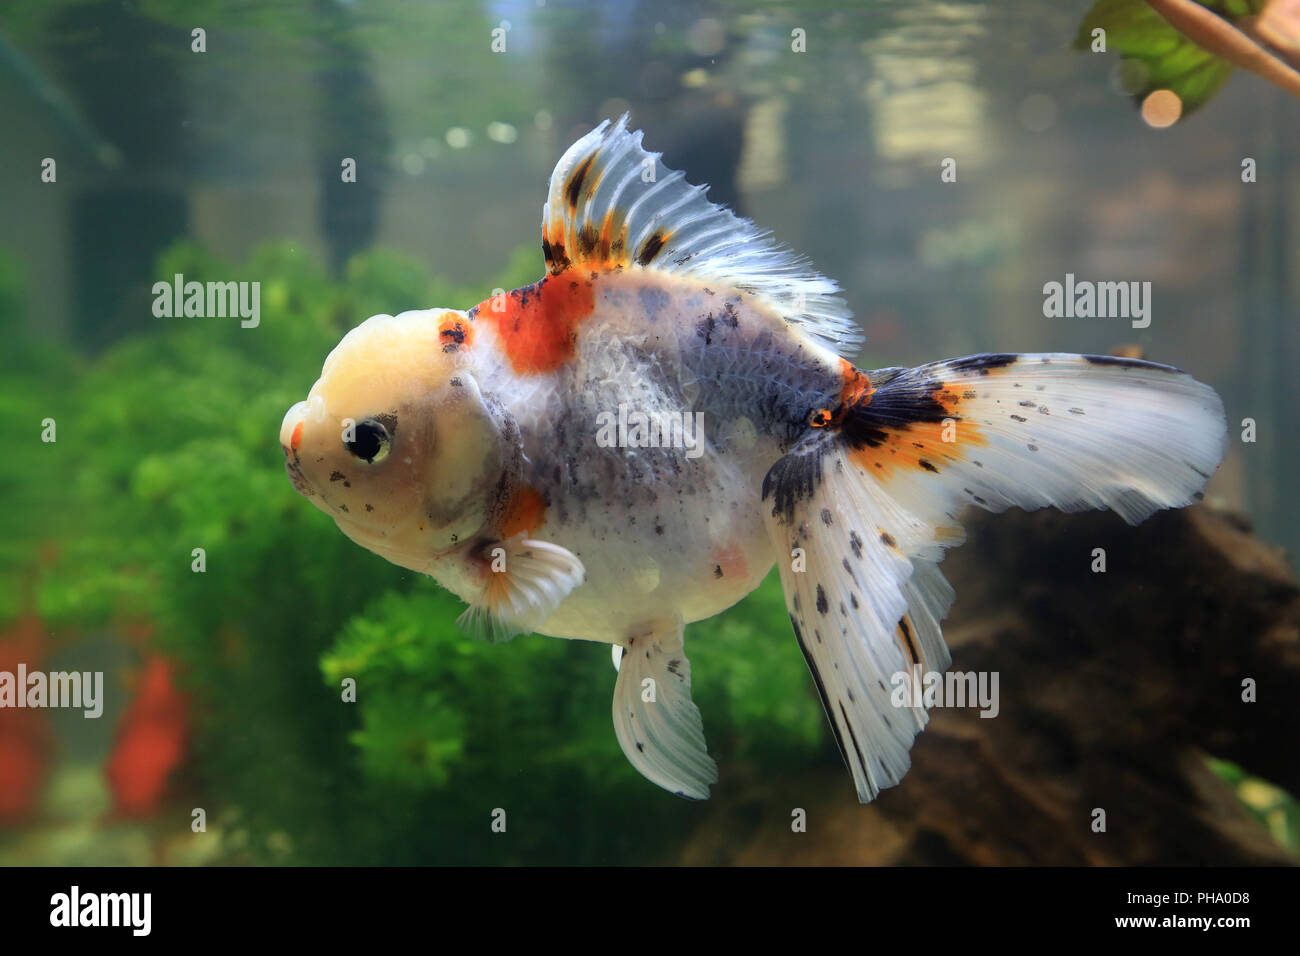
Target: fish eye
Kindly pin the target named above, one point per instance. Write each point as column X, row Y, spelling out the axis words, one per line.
column 370, row 441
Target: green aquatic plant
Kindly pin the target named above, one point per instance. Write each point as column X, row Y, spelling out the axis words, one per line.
column 1188, row 48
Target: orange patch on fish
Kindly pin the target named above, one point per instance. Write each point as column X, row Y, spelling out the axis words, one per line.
column 454, row 332
column 856, row 386
column 524, row 514
column 728, row 562
column 538, row 324
column 296, row 438
column 927, row 444
column 611, row 249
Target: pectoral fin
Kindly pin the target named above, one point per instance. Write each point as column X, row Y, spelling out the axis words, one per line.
column 657, row 724
column 526, row 581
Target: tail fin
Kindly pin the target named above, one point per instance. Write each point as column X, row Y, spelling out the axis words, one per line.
column 871, row 500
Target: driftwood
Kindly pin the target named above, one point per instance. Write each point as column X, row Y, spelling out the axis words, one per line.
column 1113, row 688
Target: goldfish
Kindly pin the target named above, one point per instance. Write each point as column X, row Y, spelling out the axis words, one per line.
column 630, row 443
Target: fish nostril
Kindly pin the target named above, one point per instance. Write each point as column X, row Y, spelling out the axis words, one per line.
column 291, row 428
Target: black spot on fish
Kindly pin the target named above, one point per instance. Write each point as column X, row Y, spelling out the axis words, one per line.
column 457, row 383
column 640, row 747
column 717, row 570
column 983, row 362
column 822, row 606
column 705, row 327
column 653, row 245
column 587, row 240
column 343, row 507
column 337, row 476
column 905, row 400
column 1017, row 418
column 370, row 507
column 1027, row 404
column 555, row 256
column 906, row 631
column 729, row 317
column 659, row 529
column 855, row 543
column 1119, row 362
column 852, row 736
column 927, row 466
column 1076, row 411
column 826, row 517
column 888, row 539
column 573, row 185
column 821, row 688
column 853, row 599
column 979, row 500
column 1032, row 447
column 795, row 476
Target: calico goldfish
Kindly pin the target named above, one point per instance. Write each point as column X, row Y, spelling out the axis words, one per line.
column 630, row 443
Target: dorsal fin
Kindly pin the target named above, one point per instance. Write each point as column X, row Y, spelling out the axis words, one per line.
column 613, row 205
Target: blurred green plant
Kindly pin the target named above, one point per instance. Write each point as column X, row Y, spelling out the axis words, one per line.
column 1157, row 55
column 1275, row 809
column 167, row 442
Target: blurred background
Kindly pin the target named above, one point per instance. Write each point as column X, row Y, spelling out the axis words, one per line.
column 218, row 155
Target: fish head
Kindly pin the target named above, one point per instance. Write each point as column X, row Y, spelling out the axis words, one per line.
column 396, row 442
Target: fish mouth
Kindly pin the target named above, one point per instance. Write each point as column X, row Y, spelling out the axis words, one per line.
column 290, row 439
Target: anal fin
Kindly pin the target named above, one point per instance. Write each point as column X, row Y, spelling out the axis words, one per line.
column 656, row 722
